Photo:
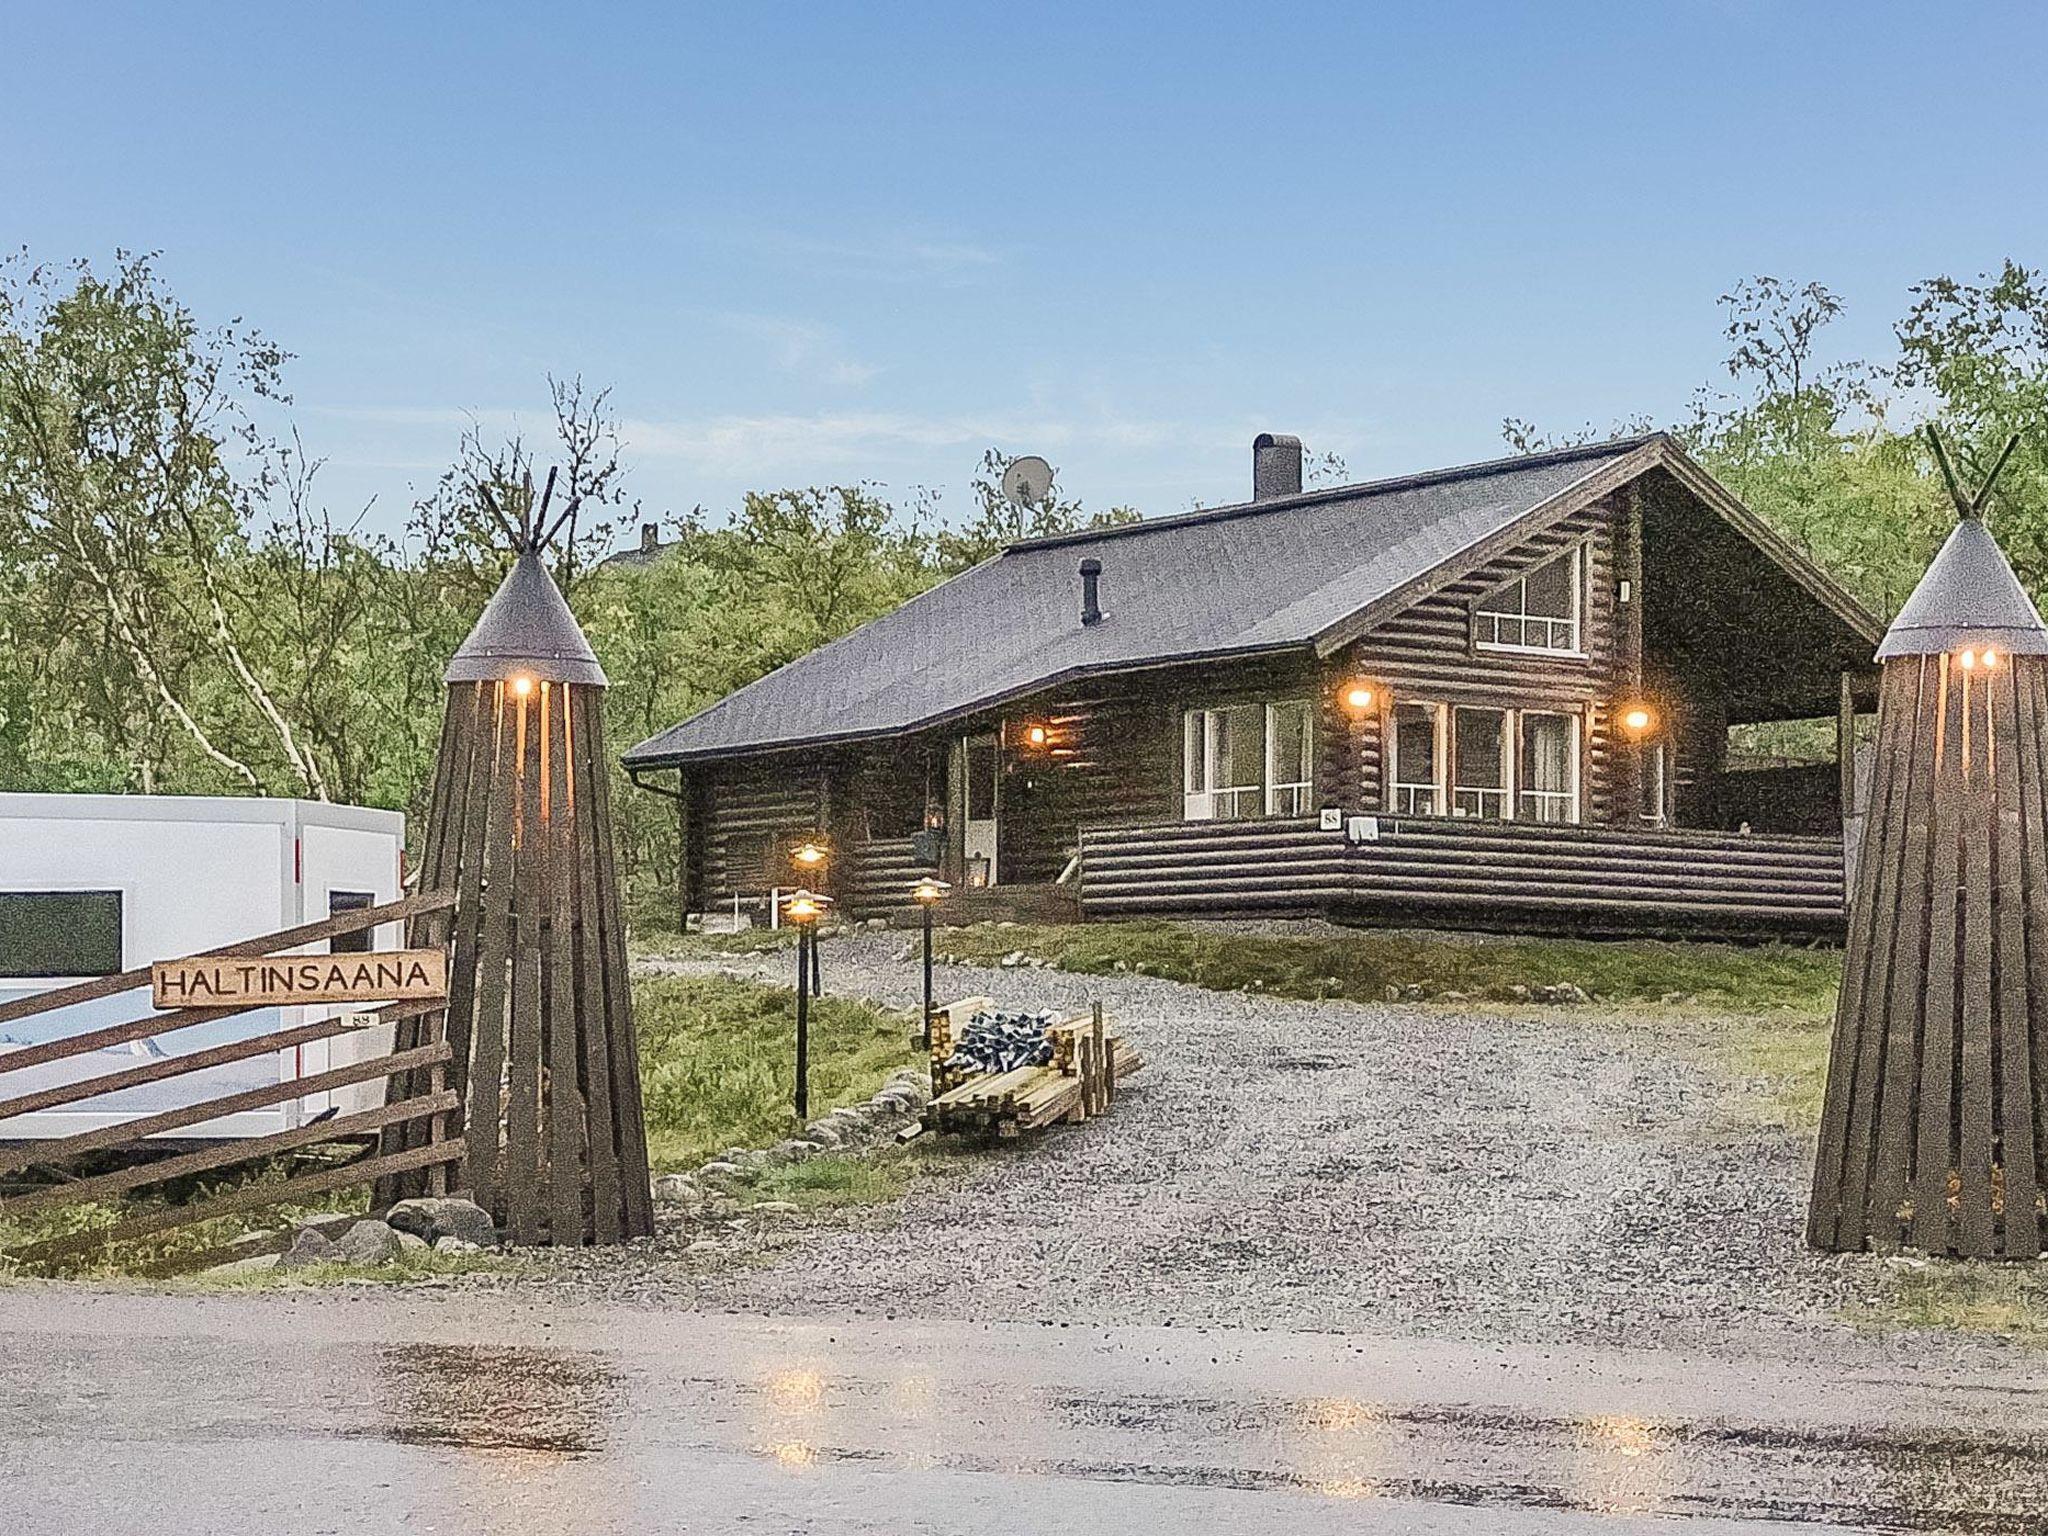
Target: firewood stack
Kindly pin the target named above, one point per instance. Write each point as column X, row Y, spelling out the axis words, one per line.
column 1088, row 1058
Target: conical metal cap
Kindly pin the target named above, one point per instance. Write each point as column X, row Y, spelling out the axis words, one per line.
column 1969, row 596
column 526, row 630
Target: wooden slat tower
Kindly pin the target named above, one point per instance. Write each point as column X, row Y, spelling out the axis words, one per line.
column 540, row 1017
column 1935, row 1120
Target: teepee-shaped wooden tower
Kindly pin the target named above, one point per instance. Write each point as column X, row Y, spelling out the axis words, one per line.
column 1936, row 1119
column 540, row 1018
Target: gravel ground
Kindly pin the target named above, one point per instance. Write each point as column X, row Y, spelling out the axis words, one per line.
column 1542, row 1177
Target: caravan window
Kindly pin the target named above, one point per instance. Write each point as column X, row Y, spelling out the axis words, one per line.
column 60, row 933
column 362, row 941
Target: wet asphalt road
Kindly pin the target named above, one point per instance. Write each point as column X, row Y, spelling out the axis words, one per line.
column 364, row 1412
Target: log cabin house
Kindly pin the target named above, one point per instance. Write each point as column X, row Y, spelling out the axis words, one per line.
column 1491, row 696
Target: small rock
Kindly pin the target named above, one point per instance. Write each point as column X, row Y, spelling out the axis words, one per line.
column 703, row 1245
column 773, row 1208
column 1012, row 960
column 434, row 1217
column 253, row 1265
column 721, row 1168
column 676, row 1189
column 410, row 1243
column 1390, row 993
column 456, row 1245
column 1454, row 997
column 369, row 1243
column 823, row 1134
column 311, row 1246
column 903, row 954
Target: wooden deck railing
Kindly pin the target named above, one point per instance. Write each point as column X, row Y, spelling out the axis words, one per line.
column 1472, row 872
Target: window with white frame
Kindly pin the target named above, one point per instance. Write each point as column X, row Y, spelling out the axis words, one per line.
column 1479, row 763
column 1541, row 611
column 1290, row 760
column 1246, row 760
column 1547, row 775
column 1417, row 770
column 1500, row 764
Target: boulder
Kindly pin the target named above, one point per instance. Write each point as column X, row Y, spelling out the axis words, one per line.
column 455, row 1245
column 369, row 1243
column 410, row 1243
column 677, row 1189
column 818, row 1133
column 253, row 1265
column 310, row 1247
column 434, row 1217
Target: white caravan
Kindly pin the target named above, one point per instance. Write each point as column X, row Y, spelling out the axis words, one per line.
column 94, row 884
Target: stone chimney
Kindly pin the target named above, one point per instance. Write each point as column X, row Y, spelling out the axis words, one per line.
column 1276, row 465
column 650, row 538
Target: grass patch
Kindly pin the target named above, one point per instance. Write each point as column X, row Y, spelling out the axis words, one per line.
column 704, row 946
column 1788, row 1057
column 2006, row 1299
column 1364, row 964
column 146, row 1253
column 878, row 1177
column 718, row 1060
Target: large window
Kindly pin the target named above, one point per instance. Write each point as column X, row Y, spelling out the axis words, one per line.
column 1418, row 766
column 1548, row 777
column 60, row 933
column 1248, row 760
column 1500, row 764
column 1539, row 612
column 1479, row 787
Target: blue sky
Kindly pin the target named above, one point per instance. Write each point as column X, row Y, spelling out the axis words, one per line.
column 818, row 243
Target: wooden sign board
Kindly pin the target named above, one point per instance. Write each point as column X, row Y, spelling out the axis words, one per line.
column 266, row 981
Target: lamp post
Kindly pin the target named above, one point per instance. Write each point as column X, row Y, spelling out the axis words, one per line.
column 930, row 891
column 810, row 858
column 804, row 909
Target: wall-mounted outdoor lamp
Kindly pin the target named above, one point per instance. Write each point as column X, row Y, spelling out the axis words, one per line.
column 1359, row 695
column 804, row 909
column 522, row 685
column 929, row 892
column 1037, row 737
column 1639, row 720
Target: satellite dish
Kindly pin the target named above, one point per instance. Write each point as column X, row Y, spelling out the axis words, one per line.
column 1027, row 482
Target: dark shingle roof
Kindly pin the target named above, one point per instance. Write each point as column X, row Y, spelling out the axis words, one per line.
column 1260, row 576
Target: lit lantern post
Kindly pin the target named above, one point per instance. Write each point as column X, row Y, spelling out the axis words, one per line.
column 810, row 857
column 930, row 892
column 804, row 909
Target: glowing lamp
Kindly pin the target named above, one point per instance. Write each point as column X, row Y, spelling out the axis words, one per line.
column 1638, row 719
column 805, row 907
column 810, row 853
column 930, row 891
column 522, row 685
column 1359, row 696
column 1036, row 735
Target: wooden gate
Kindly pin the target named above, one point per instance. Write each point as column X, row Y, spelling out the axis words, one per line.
column 409, row 1135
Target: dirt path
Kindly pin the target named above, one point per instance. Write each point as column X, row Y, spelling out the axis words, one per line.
column 1542, row 1178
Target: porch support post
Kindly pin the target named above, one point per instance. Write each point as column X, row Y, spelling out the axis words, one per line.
column 1631, row 765
column 1845, row 744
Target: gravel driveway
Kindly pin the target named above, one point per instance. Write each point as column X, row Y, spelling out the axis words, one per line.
column 1336, row 1165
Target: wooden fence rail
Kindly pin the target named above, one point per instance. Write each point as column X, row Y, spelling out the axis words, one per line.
column 418, row 1110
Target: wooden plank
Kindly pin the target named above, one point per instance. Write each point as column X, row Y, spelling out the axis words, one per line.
column 2025, row 1126
column 466, row 935
column 247, row 1198
column 522, row 1177
column 632, row 1133
column 1975, row 1019
column 484, row 1101
column 287, row 938
column 225, row 1154
column 566, row 1120
column 1893, row 1000
column 1935, row 1153
column 28, row 1154
column 2020, row 1236
column 174, row 1066
column 608, row 1211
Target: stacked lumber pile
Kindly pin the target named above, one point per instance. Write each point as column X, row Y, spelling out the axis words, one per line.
column 1073, row 1078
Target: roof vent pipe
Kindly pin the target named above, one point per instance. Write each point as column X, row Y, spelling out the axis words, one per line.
column 1276, row 465
column 1091, row 591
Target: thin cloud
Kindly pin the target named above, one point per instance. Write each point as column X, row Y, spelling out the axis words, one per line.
column 804, row 350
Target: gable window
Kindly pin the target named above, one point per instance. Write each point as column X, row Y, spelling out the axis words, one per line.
column 1540, row 611
column 1497, row 764
column 1247, row 760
